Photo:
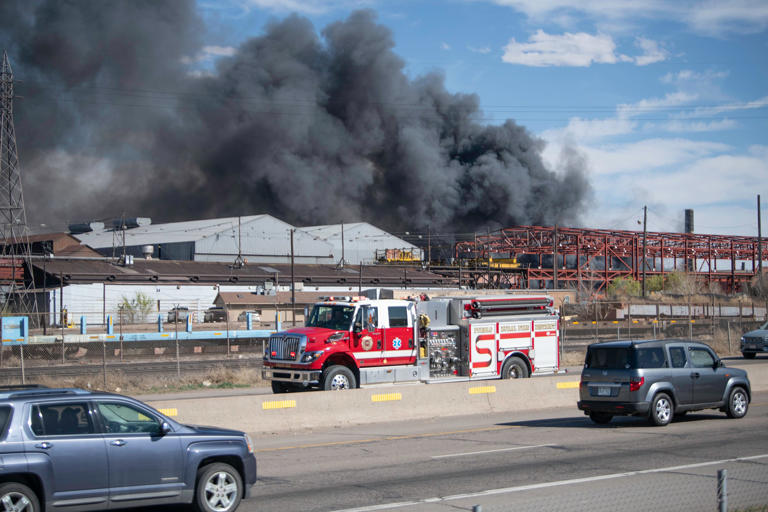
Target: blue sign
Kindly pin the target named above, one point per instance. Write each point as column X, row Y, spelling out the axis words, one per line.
column 15, row 329
column 397, row 343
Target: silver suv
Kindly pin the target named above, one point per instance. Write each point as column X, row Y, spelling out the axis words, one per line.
column 76, row 450
column 659, row 379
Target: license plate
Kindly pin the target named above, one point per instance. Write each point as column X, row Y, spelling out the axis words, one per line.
column 603, row 391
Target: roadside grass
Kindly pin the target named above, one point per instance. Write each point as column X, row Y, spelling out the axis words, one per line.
column 216, row 377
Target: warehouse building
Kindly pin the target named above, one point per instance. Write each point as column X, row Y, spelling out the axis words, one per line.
column 251, row 239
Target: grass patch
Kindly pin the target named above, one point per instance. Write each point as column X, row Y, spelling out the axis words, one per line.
column 214, row 378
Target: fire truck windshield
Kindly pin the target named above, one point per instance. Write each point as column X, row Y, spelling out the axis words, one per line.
column 334, row 317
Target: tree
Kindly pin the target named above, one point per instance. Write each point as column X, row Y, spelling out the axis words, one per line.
column 654, row 283
column 136, row 310
column 624, row 287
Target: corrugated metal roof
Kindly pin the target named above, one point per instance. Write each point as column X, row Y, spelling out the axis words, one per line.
column 256, row 299
column 174, row 232
column 144, row 271
column 361, row 241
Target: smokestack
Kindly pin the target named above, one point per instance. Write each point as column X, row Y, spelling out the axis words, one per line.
column 690, row 263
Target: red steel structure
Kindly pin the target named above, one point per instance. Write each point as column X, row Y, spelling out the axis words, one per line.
column 581, row 255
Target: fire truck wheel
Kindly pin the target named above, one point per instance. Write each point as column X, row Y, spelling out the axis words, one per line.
column 514, row 368
column 338, row 377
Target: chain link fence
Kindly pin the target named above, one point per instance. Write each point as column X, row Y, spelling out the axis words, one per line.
column 737, row 485
column 718, row 324
column 177, row 345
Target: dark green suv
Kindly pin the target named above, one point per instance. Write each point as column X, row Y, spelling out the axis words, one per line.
column 659, row 379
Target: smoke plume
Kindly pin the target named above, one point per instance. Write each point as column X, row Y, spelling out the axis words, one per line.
column 310, row 127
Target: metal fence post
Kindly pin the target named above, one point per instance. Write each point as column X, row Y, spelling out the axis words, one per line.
column 21, row 356
column 178, row 360
column 722, row 490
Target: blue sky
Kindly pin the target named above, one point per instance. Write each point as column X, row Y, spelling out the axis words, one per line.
column 667, row 102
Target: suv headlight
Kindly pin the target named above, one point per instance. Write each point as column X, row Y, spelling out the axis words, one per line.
column 310, row 356
column 248, row 443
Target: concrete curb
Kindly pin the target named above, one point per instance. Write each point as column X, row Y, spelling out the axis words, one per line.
column 298, row 411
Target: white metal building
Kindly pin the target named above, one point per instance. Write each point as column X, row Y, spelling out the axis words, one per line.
column 361, row 241
column 256, row 238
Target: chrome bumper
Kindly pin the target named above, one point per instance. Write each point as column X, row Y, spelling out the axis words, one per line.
column 291, row 375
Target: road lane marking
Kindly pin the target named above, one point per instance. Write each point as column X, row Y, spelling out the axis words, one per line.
column 491, row 451
column 482, row 390
column 568, row 385
column 278, row 404
column 521, row 488
column 386, row 397
column 388, row 438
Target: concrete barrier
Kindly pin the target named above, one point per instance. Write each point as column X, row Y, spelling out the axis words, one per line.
column 298, row 411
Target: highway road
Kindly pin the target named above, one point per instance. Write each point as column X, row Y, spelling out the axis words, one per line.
column 546, row 460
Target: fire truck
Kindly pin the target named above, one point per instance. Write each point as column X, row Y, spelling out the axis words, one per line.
column 348, row 342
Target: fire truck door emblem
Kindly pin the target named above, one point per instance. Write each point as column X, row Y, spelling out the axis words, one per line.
column 367, row 343
column 397, row 343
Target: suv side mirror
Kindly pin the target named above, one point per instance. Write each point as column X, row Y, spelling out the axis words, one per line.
column 718, row 364
column 164, row 428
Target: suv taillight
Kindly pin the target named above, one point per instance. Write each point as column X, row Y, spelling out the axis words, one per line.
column 636, row 383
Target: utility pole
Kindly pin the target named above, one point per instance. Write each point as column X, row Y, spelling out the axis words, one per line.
column 759, row 243
column 645, row 234
column 293, row 286
column 429, row 246
column 16, row 292
column 554, row 259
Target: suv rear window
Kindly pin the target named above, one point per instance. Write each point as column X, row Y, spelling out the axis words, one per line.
column 620, row 358
column 5, row 415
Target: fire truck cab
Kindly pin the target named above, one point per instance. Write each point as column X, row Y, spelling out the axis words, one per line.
column 348, row 342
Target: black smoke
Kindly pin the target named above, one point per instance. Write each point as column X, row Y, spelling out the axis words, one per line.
column 311, row 128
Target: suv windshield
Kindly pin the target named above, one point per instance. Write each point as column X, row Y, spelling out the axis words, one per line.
column 614, row 358
column 328, row 316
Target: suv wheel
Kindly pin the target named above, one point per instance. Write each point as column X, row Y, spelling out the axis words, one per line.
column 14, row 496
column 601, row 418
column 219, row 488
column 661, row 410
column 738, row 403
column 749, row 355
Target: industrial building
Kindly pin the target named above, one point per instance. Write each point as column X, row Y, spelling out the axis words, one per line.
column 250, row 239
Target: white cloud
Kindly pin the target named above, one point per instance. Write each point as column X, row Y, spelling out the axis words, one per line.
column 729, row 107
column 209, row 53
column 445, row 46
column 584, row 130
column 482, row 50
column 652, row 52
column 648, row 155
column 678, row 126
column 710, row 17
column 655, row 105
column 686, row 77
column 544, row 49
column 579, row 49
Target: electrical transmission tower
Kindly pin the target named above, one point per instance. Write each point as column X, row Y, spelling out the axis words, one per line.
column 16, row 292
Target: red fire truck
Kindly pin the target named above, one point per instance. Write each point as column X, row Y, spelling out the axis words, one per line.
column 348, row 342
